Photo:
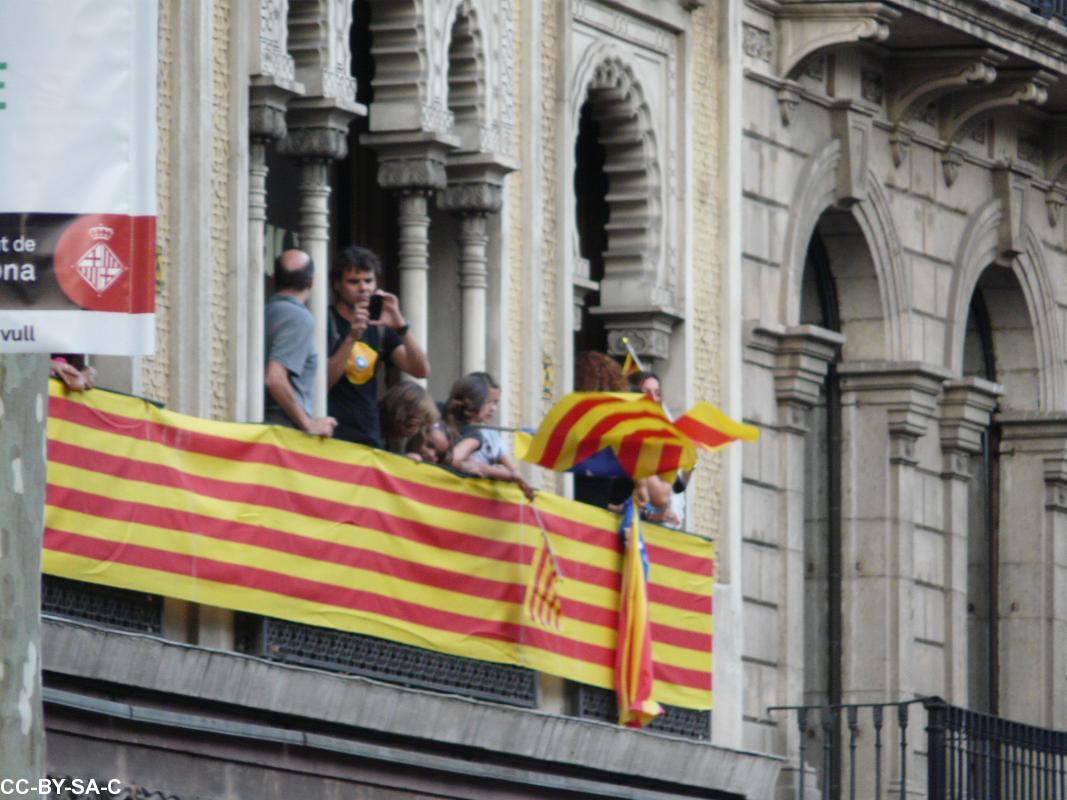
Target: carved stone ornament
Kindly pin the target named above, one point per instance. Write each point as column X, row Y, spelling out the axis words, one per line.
column 788, row 100
column 485, row 198
column 872, row 86
column 951, row 161
column 325, row 143
column 918, row 79
column 756, row 42
column 804, row 28
column 1012, row 89
column 1054, row 202
column 899, row 144
column 412, row 173
column 646, row 342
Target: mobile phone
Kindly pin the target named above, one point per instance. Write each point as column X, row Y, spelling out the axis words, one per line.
column 374, row 309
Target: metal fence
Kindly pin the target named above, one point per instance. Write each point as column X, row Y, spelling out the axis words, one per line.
column 865, row 750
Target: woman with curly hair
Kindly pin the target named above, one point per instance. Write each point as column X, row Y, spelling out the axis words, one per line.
column 405, row 409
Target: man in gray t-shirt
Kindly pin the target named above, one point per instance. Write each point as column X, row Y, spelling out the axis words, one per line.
column 290, row 347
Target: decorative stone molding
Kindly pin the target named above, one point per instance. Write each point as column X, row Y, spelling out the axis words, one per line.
column 918, row 79
column 467, row 76
column 316, row 131
column 411, row 161
column 908, row 390
column 318, row 42
column 266, row 110
column 1010, row 187
column 616, row 100
column 951, row 161
column 900, row 138
column 851, row 124
column 966, row 409
column 270, row 32
column 475, row 184
column 1055, row 199
column 788, row 100
column 804, row 28
column 800, row 358
column 648, row 330
column 1011, row 89
column 756, row 42
column 400, row 51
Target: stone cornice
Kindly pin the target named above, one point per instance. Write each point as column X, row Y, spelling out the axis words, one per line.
column 801, row 356
column 908, row 390
column 805, row 28
column 1032, row 431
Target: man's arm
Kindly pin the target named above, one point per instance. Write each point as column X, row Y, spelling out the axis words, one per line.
column 409, row 357
column 277, row 382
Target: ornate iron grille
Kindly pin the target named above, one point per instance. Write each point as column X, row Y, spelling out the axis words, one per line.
column 591, row 702
column 115, row 608
column 356, row 654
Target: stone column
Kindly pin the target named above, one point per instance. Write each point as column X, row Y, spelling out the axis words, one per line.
column 885, row 412
column 266, row 124
column 800, row 358
column 413, row 166
column 318, row 133
column 966, row 409
column 1032, row 569
column 474, row 192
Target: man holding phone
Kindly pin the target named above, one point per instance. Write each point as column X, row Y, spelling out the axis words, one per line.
column 365, row 328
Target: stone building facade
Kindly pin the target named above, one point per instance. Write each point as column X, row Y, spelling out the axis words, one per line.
column 540, row 178
column 903, row 347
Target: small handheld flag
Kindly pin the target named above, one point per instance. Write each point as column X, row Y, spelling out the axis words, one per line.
column 632, row 364
column 543, row 602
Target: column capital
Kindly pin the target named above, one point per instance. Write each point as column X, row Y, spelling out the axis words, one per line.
column 966, row 409
column 908, row 390
column 267, row 101
column 317, row 130
column 411, row 161
column 648, row 330
column 475, row 183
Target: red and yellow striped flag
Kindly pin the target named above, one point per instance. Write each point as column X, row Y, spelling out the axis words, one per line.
column 711, row 429
column 543, row 601
column 635, row 429
column 270, row 521
column 633, row 658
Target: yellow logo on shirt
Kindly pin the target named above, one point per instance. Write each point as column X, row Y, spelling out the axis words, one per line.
column 362, row 360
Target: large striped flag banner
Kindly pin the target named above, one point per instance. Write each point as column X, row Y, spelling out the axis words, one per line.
column 270, row 521
column 616, row 434
column 78, row 176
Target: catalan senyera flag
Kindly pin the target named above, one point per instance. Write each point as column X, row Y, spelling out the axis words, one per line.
column 585, row 431
column 542, row 599
column 267, row 520
column 711, row 429
column 634, row 671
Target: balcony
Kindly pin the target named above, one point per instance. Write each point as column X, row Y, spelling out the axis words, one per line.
column 122, row 512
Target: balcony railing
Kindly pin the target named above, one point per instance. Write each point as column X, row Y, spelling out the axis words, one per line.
column 865, row 750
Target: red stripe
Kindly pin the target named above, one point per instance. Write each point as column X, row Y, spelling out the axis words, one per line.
column 701, row 432
column 590, row 444
column 363, row 516
column 558, row 436
column 328, row 595
column 670, row 458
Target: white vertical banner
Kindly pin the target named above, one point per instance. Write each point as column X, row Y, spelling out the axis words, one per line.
column 78, row 176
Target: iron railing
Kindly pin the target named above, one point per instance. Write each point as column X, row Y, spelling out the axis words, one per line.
column 865, row 750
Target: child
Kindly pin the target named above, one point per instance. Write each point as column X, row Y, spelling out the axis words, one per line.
column 479, row 450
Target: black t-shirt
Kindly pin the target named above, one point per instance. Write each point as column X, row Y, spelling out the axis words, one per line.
column 353, row 400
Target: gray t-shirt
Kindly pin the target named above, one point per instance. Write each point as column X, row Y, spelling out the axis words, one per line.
column 290, row 341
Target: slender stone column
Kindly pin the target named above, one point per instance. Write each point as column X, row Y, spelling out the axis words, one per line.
column 266, row 124
column 412, row 164
column 473, row 203
column 1032, row 569
column 965, row 413
column 317, row 135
